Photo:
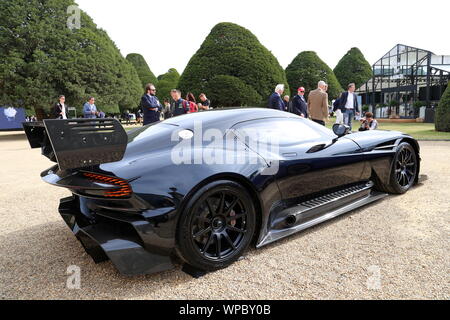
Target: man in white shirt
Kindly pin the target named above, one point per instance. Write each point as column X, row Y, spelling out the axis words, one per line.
column 60, row 108
column 350, row 105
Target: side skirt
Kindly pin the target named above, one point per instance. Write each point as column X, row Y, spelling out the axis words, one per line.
column 327, row 207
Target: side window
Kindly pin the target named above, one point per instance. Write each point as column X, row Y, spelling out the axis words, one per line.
column 282, row 131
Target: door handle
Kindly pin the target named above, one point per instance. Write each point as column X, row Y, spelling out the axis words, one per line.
column 290, row 154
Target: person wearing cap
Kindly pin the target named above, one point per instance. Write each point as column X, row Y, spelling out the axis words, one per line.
column 318, row 104
column 275, row 100
column 299, row 105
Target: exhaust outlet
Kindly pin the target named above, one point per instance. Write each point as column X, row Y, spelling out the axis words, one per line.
column 290, row 220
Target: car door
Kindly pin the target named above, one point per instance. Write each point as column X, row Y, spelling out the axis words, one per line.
column 304, row 156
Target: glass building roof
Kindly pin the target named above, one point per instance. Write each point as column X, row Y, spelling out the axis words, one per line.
column 403, row 63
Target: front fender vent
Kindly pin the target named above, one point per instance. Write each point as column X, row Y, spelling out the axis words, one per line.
column 388, row 145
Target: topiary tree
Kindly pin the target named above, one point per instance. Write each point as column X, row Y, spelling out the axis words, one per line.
column 41, row 58
column 228, row 91
column 167, row 82
column 143, row 70
column 234, row 51
column 353, row 68
column 442, row 122
column 307, row 69
column 417, row 105
column 394, row 104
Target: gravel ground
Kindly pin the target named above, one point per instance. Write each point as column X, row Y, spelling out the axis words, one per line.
column 395, row 248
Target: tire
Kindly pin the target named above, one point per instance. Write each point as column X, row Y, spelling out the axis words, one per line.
column 403, row 170
column 216, row 226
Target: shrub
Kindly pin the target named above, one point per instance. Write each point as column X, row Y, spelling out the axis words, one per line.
column 167, row 82
column 353, row 67
column 231, row 50
column 416, row 107
column 226, row 91
column 394, row 103
column 306, row 70
column 442, row 122
column 418, row 104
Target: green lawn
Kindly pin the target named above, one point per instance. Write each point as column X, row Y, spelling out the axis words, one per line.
column 420, row 131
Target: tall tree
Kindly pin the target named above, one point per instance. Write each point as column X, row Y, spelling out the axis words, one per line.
column 442, row 122
column 166, row 82
column 353, row 68
column 231, row 50
column 307, row 69
column 142, row 68
column 41, row 58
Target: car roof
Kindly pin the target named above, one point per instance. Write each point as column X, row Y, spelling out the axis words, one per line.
column 226, row 118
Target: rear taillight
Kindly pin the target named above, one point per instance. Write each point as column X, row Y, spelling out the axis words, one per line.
column 124, row 189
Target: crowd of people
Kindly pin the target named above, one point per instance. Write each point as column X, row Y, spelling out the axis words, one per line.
column 316, row 107
column 60, row 109
column 152, row 108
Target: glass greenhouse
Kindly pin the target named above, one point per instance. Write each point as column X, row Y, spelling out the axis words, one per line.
column 405, row 79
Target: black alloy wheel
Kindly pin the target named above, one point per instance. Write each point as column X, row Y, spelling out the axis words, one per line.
column 218, row 225
column 403, row 172
column 405, row 167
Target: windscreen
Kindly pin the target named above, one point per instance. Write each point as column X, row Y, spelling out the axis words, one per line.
column 283, row 131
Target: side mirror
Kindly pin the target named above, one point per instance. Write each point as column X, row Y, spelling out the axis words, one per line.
column 340, row 129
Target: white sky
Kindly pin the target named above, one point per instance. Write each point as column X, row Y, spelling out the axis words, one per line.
column 167, row 33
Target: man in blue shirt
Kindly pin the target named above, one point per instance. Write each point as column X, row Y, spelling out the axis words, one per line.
column 275, row 100
column 150, row 105
column 89, row 109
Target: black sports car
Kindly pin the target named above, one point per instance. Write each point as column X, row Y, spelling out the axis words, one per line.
column 199, row 188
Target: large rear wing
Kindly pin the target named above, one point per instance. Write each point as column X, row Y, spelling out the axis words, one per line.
column 76, row 143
